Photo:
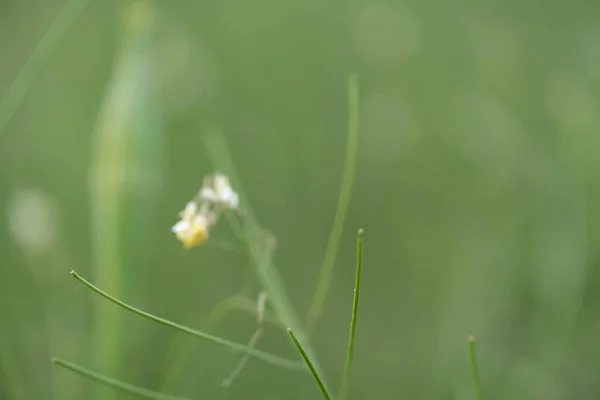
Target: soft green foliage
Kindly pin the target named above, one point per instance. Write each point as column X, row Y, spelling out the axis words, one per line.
column 476, row 177
column 9, row 104
column 260, row 244
column 124, row 163
column 15, row 387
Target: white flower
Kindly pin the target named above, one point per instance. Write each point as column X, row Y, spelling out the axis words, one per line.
column 190, row 211
column 202, row 212
column 192, row 229
column 219, row 191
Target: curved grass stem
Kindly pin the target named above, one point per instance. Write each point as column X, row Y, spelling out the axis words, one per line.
column 240, row 348
column 113, row 383
column 337, row 228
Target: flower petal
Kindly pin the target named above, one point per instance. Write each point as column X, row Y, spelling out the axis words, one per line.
column 200, row 222
column 234, row 200
column 190, row 210
column 209, row 194
column 181, row 226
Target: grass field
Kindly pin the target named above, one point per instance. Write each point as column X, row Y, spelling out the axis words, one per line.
column 463, row 137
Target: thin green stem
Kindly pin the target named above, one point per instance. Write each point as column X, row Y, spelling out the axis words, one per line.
column 113, row 383
column 337, row 228
column 224, row 245
column 350, row 354
column 475, row 369
column 310, row 365
column 260, row 247
column 123, row 143
column 241, row 303
column 222, row 309
column 11, row 101
column 235, row 225
column 242, row 363
column 240, row 348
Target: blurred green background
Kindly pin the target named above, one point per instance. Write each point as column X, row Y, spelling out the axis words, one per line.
column 477, row 184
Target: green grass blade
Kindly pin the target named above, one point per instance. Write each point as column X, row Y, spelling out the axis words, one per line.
column 113, row 383
column 475, row 369
column 70, row 12
column 122, row 172
column 350, row 354
column 337, row 228
column 260, row 252
column 272, row 359
column 310, row 365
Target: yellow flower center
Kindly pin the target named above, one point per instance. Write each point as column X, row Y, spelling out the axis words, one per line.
column 195, row 236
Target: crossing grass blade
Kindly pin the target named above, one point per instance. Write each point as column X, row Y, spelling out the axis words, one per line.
column 114, row 383
column 240, row 348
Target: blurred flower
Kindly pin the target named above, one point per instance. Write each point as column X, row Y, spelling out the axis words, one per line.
column 217, row 190
column 203, row 212
column 193, row 227
column 32, row 220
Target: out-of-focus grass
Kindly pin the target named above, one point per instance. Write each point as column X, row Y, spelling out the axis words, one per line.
column 123, row 140
column 476, row 180
column 15, row 384
column 261, row 245
column 324, row 281
column 67, row 17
